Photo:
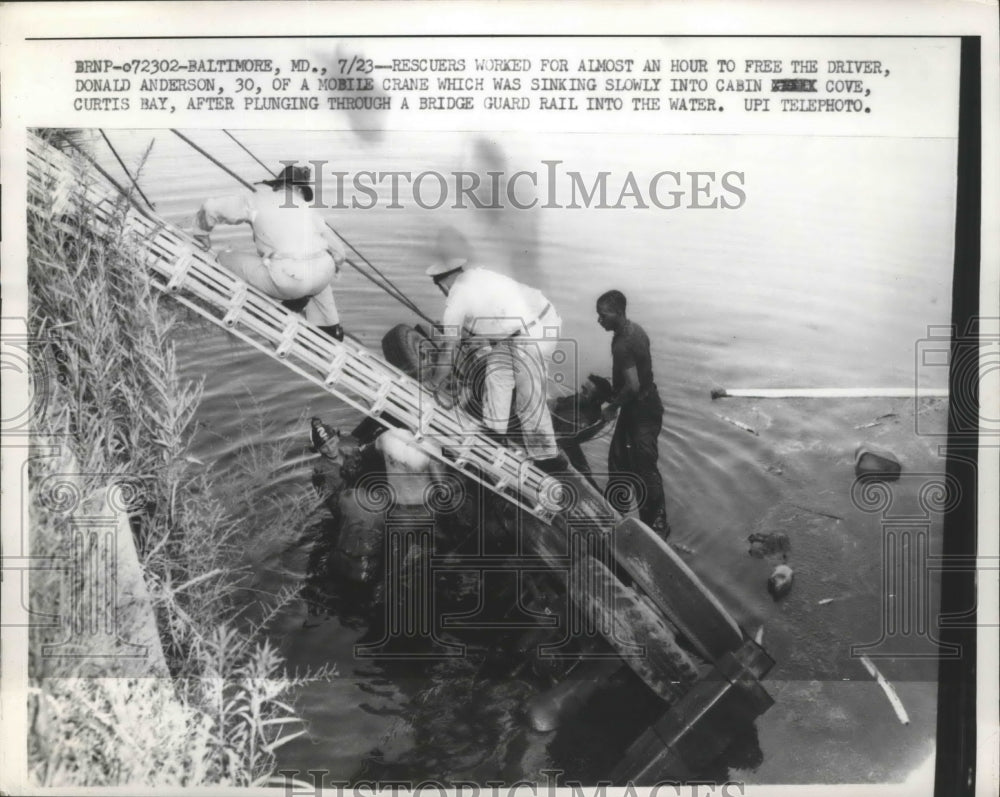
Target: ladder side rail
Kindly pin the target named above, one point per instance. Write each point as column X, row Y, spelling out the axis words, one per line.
column 214, row 286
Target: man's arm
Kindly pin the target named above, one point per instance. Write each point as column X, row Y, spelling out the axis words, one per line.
column 225, row 210
column 627, row 393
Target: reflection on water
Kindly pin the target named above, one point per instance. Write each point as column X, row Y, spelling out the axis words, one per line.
column 828, row 276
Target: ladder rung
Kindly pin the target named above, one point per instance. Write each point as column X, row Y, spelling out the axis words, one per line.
column 424, row 420
column 336, row 367
column 235, row 305
column 463, row 456
column 378, row 404
column 287, row 337
column 499, row 459
column 179, row 271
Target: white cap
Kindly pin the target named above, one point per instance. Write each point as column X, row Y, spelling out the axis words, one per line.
column 446, row 266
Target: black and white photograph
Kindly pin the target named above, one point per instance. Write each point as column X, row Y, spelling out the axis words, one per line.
column 470, row 405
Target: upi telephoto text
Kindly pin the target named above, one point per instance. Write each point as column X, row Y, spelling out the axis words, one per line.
column 521, row 190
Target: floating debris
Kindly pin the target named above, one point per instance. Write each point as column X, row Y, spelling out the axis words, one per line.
column 825, row 601
column 680, row 546
column 877, row 421
column 887, row 687
column 819, row 512
column 737, row 424
column 770, row 544
column 780, row 582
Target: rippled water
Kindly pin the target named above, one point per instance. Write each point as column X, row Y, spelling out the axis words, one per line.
column 828, row 276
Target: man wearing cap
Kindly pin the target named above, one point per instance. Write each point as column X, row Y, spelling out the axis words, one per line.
column 297, row 256
column 518, row 327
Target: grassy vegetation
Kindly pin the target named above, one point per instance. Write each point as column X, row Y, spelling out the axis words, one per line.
column 118, row 413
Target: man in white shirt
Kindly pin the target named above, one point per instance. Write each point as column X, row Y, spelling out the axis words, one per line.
column 518, row 328
column 297, row 256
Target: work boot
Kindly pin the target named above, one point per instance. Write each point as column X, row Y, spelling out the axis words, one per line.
column 336, row 331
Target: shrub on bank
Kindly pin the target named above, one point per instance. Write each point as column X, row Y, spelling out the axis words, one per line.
column 116, row 413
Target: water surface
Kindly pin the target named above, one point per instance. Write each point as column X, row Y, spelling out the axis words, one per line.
column 829, row 275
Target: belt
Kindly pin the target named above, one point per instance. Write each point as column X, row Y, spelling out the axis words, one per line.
column 282, row 256
column 541, row 315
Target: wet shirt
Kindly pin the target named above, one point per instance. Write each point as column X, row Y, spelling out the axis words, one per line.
column 486, row 303
column 294, row 231
column 630, row 347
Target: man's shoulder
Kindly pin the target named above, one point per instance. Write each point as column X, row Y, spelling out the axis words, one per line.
column 636, row 331
column 631, row 339
column 482, row 274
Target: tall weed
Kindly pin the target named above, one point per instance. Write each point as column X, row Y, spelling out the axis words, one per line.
column 116, row 405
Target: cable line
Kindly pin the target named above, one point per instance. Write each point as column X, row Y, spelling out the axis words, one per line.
column 218, row 163
column 125, row 169
column 248, row 152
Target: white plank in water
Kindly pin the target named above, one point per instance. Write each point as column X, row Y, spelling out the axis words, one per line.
column 890, row 692
column 830, row 392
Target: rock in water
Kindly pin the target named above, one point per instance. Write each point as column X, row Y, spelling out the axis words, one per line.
column 780, row 582
column 875, row 462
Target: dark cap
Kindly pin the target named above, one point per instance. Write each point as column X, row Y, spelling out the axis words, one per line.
column 300, row 176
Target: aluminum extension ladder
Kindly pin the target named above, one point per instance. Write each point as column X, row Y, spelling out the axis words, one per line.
column 57, row 184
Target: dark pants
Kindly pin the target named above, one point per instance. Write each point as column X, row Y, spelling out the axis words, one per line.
column 634, row 451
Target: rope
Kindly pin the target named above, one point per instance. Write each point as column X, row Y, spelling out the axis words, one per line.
column 125, row 169
column 263, row 165
column 218, row 163
column 389, row 288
